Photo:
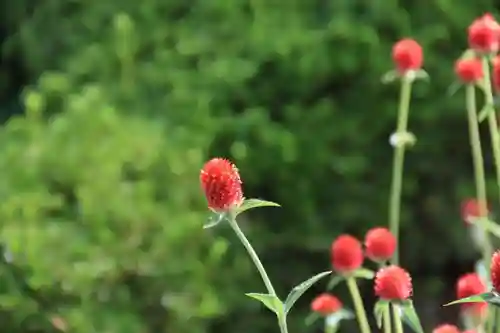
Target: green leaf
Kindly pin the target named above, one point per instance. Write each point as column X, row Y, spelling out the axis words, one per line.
column 485, row 112
column 214, row 220
column 299, row 290
column 410, row 317
column 311, row 318
column 379, row 309
column 334, row 281
column 364, row 273
column 489, row 226
column 272, row 302
column 333, row 320
column 453, row 88
column 489, row 297
column 254, row 203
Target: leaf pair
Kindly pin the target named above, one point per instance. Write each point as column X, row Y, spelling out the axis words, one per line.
column 273, row 303
column 362, row 273
column 406, row 311
column 218, row 217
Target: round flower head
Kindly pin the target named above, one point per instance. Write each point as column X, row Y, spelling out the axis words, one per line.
column 221, row 183
column 483, row 34
column 495, row 271
column 469, row 284
column 496, row 73
column 469, row 70
column 407, row 55
column 471, row 210
column 347, row 254
column 380, row 244
column 446, row 328
column 393, row 283
column 326, row 304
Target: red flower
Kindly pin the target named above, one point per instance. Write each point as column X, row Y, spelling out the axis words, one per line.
column 470, row 331
column 469, row 70
column 471, row 210
column 326, row 304
column 380, row 244
column 407, row 55
column 470, row 284
column 221, row 183
column 393, row 283
column 495, row 271
column 347, row 254
column 484, row 34
column 446, row 328
column 496, row 73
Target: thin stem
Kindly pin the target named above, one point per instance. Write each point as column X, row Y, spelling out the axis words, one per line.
column 258, row 264
column 329, row 328
column 491, row 320
column 398, row 324
column 387, row 320
column 358, row 305
column 492, row 119
column 478, row 163
column 398, row 163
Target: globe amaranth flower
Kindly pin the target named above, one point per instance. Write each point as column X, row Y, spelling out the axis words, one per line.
column 471, row 209
column 221, row 183
column 470, row 284
column 393, row 283
column 326, row 304
column 484, row 34
column 495, row 75
column 347, row 254
column 469, row 70
column 446, row 328
column 407, row 55
column 495, row 271
column 380, row 244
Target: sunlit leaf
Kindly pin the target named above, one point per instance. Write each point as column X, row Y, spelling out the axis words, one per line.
column 410, row 317
column 364, row 273
column 299, row 290
column 485, row 297
column 378, row 311
column 334, row 281
column 254, row 203
column 272, row 302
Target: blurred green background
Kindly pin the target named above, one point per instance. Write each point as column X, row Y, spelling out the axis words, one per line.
column 111, row 107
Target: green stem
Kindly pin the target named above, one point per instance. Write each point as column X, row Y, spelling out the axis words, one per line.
column 387, row 320
column 492, row 119
column 358, row 305
column 258, row 264
column 329, row 328
column 491, row 320
column 478, row 162
column 398, row 324
column 398, row 163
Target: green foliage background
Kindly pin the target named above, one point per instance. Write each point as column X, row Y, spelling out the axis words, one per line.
column 123, row 101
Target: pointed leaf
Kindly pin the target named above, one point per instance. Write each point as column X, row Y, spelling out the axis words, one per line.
column 410, row 317
column 254, row 203
column 489, row 226
column 484, row 113
column 453, row 88
column 390, row 77
column 378, row 311
column 311, row 318
column 334, row 281
column 485, row 297
column 364, row 273
column 272, row 302
column 299, row 290
column 214, row 220
column 335, row 318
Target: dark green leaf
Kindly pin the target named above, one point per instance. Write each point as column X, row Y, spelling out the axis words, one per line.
column 254, row 203
column 379, row 309
column 410, row 317
column 334, row 281
column 272, row 302
column 485, row 297
column 363, row 273
column 299, row 290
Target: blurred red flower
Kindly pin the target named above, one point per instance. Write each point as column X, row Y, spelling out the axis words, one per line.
column 484, row 34
column 380, row 244
column 393, row 283
column 407, row 55
column 495, row 270
column 471, row 210
column 347, row 254
column 446, row 328
column 326, row 304
column 469, row 70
